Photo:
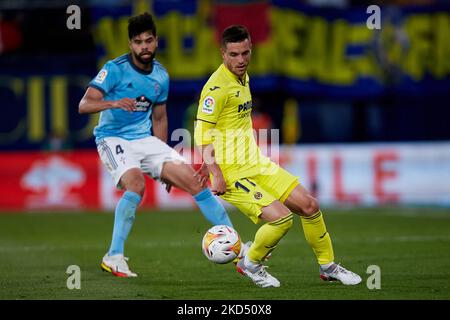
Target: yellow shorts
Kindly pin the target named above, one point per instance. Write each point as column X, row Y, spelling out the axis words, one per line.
column 250, row 194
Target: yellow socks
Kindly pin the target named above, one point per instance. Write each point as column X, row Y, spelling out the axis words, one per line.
column 269, row 234
column 267, row 238
column 318, row 238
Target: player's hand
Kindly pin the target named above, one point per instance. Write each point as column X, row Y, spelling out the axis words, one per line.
column 219, row 186
column 126, row 104
column 202, row 175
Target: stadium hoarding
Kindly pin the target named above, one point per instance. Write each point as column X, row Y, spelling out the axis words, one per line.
column 315, row 56
column 322, row 50
column 338, row 175
column 59, row 181
column 374, row 174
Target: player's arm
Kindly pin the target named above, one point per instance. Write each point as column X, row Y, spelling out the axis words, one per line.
column 159, row 120
column 93, row 102
column 160, row 125
column 211, row 103
column 219, row 185
column 203, row 141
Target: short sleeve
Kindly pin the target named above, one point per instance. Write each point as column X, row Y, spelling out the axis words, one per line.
column 211, row 103
column 162, row 97
column 106, row 78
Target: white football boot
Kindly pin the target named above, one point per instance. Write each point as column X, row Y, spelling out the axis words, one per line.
column 257, row 274
column 245, row 247
column 117, row 265
column 244, row 250
column 336, row 272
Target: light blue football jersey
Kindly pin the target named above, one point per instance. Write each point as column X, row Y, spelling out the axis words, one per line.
column 120, row 78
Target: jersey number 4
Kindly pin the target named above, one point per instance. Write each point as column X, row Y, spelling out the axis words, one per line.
column 119, row 149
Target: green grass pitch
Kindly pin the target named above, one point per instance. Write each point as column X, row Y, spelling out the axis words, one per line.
column 411, row 247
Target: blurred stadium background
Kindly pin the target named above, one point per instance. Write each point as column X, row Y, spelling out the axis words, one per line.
column 363, row 115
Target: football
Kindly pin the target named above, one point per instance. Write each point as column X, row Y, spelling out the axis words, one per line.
column 221, row 244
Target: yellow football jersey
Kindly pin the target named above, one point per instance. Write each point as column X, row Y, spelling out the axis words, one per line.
column 225, row 107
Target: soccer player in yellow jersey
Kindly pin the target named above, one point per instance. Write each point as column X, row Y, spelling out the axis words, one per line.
column 242, row 176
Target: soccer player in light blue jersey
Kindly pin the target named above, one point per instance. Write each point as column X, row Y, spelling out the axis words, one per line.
column 130, row 93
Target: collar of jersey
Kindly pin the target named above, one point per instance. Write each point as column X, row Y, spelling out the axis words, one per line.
column 233, row 76
column 135, row 67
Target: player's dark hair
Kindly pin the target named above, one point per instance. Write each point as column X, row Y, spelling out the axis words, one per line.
column 234, row 33
column 141, row 23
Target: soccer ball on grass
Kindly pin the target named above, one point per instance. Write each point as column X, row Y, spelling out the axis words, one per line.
column 221, row 244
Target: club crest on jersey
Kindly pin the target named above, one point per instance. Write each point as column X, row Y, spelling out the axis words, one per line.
column 258, row 195
column 143, row 103
column 101, row 76
column 156, row 87
column 208, row 105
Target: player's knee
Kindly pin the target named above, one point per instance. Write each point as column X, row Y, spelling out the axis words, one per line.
column 311, row 207
column 192, row 185
column 137, row 185
column 192, row 188
column 195, row 188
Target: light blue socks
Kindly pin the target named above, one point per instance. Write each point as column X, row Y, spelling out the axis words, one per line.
column 211, row 208
column 123, row 221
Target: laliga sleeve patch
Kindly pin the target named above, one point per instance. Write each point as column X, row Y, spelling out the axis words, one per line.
column 208, row 105
column 101, row 76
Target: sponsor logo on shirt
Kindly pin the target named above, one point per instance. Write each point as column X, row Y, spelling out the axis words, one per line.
column 208, row 105
column 244, row 110
column 143, row 103
column 101, row 76
column 245, row 106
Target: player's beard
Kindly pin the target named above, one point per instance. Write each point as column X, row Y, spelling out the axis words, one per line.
column 145, row 61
